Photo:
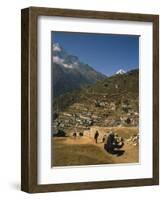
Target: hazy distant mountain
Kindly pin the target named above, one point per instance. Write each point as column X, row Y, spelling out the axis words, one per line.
column 69, row 73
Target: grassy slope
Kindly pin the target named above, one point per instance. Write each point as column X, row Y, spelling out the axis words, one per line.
column 128, row 86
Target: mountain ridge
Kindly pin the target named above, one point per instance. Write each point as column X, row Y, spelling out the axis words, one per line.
column 111, row 86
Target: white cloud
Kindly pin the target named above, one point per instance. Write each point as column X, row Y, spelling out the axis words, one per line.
column 57, row 60
column 60, row 61
column 56, row 47
column 68, row 66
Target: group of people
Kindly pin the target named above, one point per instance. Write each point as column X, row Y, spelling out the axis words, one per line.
column 75, row 134
column 111, row 141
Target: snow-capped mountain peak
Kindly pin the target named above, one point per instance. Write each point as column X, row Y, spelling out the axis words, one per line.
column 121, row 71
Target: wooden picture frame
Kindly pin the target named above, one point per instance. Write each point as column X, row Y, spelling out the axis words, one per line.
column 29, row 172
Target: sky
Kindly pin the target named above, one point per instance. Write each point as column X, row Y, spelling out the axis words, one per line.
column 106, row 53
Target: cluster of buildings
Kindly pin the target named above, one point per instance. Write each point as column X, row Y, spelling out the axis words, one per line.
column 80, row 117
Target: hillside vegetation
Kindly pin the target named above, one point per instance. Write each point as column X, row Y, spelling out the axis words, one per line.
column 110, row 102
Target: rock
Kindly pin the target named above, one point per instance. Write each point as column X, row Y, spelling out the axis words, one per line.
column 133, row 140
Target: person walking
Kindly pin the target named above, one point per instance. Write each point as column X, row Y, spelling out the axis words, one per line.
column 104, row 138
column 96, row 136
column 74, row 135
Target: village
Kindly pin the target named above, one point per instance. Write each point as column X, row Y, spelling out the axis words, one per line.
column 75, row 130
column 80, row 118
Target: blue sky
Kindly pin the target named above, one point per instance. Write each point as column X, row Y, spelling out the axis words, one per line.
column 106, row 53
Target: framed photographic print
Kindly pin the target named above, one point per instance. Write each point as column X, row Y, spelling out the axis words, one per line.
column 90, row 100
